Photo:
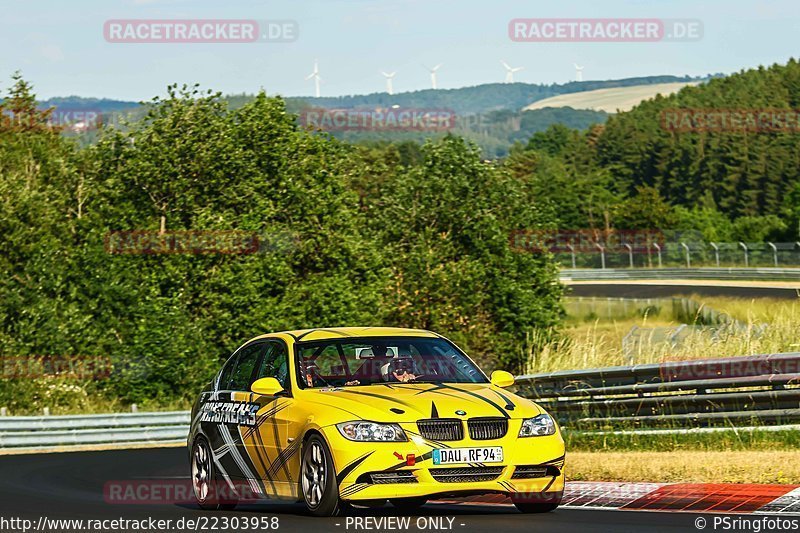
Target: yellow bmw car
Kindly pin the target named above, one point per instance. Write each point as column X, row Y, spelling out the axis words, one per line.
column 336, row 417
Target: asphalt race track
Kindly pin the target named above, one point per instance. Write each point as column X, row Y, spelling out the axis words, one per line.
column 654, row 290
column 71, row 486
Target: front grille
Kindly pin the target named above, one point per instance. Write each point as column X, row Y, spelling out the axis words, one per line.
column 528, row 472
column 487, row 428
column 385, row 478
column 442, row 429
column 466, row 475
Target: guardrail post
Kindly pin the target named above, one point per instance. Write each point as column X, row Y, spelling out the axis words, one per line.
column 134, row 408
column 630, row 253
column 3, row 411
column 688, row 255
column 716, row 252
column 46, row 411
column 746, row 260
column 774, row 252
column 602, row 255
column 572, row 251
column 658, row 251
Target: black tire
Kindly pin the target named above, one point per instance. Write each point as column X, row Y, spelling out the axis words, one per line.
column 205, row 481
column 527, row 507
column 318, row 484
column 409, row 504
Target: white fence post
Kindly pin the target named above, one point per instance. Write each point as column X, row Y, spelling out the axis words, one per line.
column 688, row 255
column 716, row 252
column 46, row 411
column 658, row 250
column 3, row 411
column 774, row 252
column 602, row 255
column 630, row 253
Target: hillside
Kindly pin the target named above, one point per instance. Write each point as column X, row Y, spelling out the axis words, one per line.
column 464, row 100
column 611, row 100
column 730, row 171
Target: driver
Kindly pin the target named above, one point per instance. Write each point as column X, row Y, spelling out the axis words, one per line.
column 401, row 369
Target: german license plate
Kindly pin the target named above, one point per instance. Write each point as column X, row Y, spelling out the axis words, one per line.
column 446, row 456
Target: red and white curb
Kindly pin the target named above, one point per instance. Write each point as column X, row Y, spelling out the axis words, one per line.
column 673, row 497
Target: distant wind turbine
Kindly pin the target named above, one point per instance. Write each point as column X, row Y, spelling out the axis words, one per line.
column 433, row 75
column 315, row 76
column 510, row 71
column 578, row 72
column 389, row 77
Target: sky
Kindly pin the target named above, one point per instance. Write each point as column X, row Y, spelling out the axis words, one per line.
column 60, row 46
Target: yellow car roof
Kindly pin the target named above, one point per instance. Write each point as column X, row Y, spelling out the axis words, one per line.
column 316, row 334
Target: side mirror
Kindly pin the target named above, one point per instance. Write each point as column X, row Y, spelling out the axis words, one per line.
column 267, row 387
column 501, row 378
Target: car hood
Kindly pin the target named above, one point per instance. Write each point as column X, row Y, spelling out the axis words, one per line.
column 411, row 402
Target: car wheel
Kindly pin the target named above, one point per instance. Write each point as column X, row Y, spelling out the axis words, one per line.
column 318, row 479
column 409, row 504
column 205, row 482
column 527, row 507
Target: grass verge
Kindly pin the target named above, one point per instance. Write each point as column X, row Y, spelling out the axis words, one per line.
column 751, row 466
column 717, row 441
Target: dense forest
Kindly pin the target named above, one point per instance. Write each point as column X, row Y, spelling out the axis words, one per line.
column 347, row 235
column 635, row 173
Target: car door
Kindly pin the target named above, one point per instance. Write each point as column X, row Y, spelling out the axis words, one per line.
column 237, row 416
column 277, row 440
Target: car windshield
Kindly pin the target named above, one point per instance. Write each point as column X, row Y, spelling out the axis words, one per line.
column 356, row 362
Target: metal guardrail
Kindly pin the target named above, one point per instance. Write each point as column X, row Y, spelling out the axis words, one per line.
column 726, row 274
column 130, row 428
column 762, row 390
column 736, row 391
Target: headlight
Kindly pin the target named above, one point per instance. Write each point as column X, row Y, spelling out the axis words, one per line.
column 371, row 432
column 538, row 426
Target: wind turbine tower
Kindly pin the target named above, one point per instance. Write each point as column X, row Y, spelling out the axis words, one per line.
column 510, row 71
column 578, row 72
column 315, row 76
column 389, row 77
column 433, row 75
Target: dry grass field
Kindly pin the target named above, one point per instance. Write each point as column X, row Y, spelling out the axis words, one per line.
column 609, row 100
column 685, row 466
